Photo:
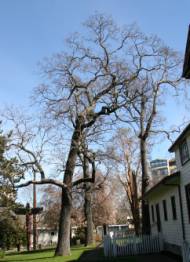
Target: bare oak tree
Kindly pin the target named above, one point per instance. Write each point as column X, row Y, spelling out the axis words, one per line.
column 84, row 85
column 91, row 82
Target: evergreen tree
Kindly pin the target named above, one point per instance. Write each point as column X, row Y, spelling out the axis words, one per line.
column 11, row 230
column 10, row 172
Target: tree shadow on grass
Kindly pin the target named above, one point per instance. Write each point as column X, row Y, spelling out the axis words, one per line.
column 97, row 255
column 93, row 255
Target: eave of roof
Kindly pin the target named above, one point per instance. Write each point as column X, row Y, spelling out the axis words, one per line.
column 180, row 137
column 186, row 65
column 172, row 180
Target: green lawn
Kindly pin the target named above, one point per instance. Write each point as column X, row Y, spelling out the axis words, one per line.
column 45, row 256
column 85, row 253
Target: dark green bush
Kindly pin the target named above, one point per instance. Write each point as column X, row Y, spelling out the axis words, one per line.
column 80, row 234
column 2, row 253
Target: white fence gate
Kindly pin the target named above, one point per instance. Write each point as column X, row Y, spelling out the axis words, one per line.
column 186, row 251
column 132, row 245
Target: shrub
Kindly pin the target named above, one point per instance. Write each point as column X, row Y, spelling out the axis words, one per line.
column 80, row 234
column 2, row 253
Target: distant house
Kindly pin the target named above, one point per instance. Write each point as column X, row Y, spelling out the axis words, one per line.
column 169, row 200
column 48, row 237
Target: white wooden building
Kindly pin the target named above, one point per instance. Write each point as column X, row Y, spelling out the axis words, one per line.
column 169, row 200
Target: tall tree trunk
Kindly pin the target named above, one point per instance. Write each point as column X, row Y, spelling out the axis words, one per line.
column 89, row 219
column 63, row 244
column 132, row 194
column 88, row 205
column 136, row 215
column 145, row 214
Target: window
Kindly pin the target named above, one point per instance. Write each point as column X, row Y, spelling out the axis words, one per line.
column 187, row 191
column 165, row 210
column 174, row 211
column 159, row 226
column 152, row 211
column 184, row 152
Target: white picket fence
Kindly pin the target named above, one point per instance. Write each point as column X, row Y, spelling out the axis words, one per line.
column 186, row 251
column 132, row 245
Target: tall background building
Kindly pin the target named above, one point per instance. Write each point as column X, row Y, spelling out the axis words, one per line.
column 160, row 168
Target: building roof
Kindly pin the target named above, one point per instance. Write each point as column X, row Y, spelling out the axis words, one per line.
column 180, row 138
column 172, row 180
column 158, row 160
column 186, row 65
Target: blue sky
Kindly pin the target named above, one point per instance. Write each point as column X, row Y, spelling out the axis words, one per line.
column 31, row 30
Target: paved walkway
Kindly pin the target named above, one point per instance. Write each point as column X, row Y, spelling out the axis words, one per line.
column 156, row 258
column 92, row 255
column 96, row 255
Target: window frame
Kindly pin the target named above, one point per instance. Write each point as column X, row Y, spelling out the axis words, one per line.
column 184, row 159
column 174, row 209
column 152, row 213
column 187, row 194
column 164, row 204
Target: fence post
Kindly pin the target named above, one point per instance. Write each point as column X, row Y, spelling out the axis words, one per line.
column 107, row 246
column 183, row 251
column 135, row 244
column 161, row 244
column 114, row 247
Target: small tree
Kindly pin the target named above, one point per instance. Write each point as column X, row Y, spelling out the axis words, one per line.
column 51, row 203
column 126, row 163
column 12, row 232
column 10, row 172
column 144, row 113
column 103, row 205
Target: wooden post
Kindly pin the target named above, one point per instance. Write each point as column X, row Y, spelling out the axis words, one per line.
column 28, row 226
column 34, row 216
column 104, row 229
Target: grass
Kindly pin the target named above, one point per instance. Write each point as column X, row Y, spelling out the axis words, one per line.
column 85, row 253
column 45, row 256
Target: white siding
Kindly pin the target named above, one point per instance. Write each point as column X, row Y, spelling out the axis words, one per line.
column 184, row 180
column 46, row 238
column 171, row 229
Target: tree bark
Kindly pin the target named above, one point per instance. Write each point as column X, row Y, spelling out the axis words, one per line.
column 135, row 203
column 63, row 244
column 88, row 205
column 145, row 214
